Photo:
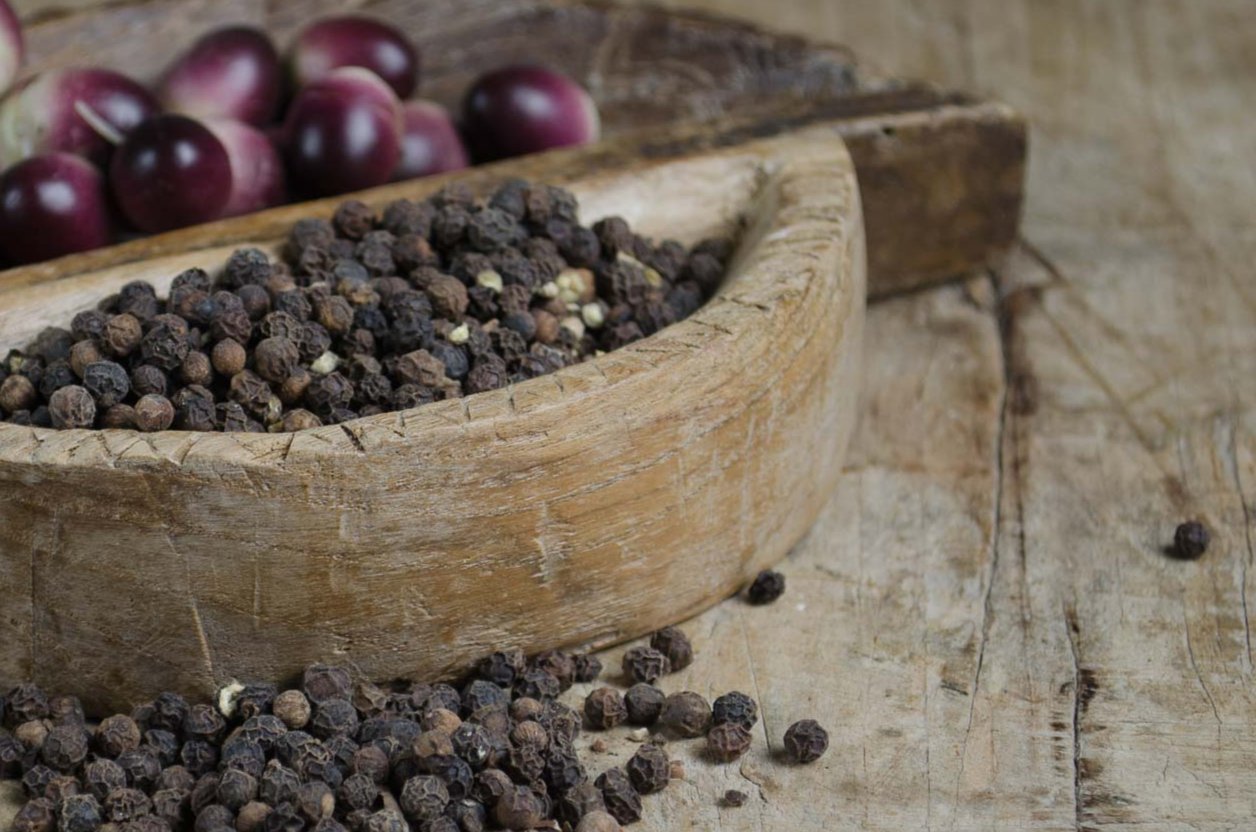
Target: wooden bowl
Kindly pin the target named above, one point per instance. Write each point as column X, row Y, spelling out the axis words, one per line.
column 584, row 507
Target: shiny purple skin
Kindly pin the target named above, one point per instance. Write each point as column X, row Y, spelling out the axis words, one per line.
column 229, row 73
column 12, row 46
column 171, row 171
column 79, row 111
column 257, row 174
column 351, row 40
column 527, row 109
column 50, row 206
column 429, row 141
column 342, row 134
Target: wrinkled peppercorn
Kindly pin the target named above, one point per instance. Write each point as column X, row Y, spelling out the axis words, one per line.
column 645, row 664
column 728, row 741
column 604, row 708
column 766, row 588
column 649, row 769
column 621, row 798
column 806, row 741
column 735, row 707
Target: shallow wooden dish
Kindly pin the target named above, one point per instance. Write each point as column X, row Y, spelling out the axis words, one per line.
column 941, row 173
column 580, row 508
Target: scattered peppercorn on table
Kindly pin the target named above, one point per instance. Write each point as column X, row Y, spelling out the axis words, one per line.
column 984, row 617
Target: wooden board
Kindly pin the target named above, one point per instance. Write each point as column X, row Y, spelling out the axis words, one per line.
column 982, row 615
column 941, row 173
column 581, row 507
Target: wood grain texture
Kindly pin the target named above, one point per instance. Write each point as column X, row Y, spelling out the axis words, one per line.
column 942, row 174
column 581, row 507
column 983, row 613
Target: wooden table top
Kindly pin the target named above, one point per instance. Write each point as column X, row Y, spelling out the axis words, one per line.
column 984, row 617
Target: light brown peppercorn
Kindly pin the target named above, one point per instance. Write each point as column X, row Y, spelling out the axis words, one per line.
column 546, row 326
column 274, row 359
column 196, row 369
column 448, row 296
column 441, row 719
column 598, row 821
column 252, row 816
column 604, row 708
column 686, row 713
column 117, row 734
column 72, row 407
column 119, row 417
column 32, row 733
column 122, row 335
column 334, row 313
column 294, row 386
column 728, row 741
column 421, row 367
column 300, row 419
column 519, row 808
column 525, row 708
column 530, row 733
column 17, row 393
column 432, row 744
column 293, row 708
column 153, row 413
column 228, row 357
column 82, row 354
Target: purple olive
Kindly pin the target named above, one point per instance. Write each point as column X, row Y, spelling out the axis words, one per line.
column 230, row 73
column 52, row 205
column 351, row 40
column 170, row 172
column 257, row 173
column 527, row 109
column 80, row 111
column 342, row 133
column 429, row 141
column 12, row 47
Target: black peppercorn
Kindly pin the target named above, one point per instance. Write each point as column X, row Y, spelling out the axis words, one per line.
column 123, row 805
column 649, row 769
column 117, row 734
column 766, row 588
column 1190, row 540
column 686, row 713
column 423, row 798
column 728, row 741
column 604, row 708
column 65, row 747
column 79, row 813
column 37, row 815
column 519, row 808
column 735, row 707
column 675, row 645
column 645, row 664
column 621, row 798
column 72, row 407
column 806, row 741
column 644, row 702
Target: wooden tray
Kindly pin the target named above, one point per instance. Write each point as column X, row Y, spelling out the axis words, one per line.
column 941, row 173
column 584, row 507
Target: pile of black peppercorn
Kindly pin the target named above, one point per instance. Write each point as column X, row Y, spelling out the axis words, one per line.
column 364, row 314
column 345, row 755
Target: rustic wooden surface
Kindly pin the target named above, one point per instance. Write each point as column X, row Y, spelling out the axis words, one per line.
column 983, row 615
column 578, row 508
column 941, row 173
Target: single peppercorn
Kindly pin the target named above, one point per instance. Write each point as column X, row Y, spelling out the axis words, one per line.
column 675, row 645
column 587, row 668
column 806, row 741
column 686, row 713
column 65, row 747
column 621, row 798
column 117, row 734
column 519, row 808
column 735, row 707
column 728, row 741
column 36, row 815
column 766, row 587
column 79, row 813
column 649, row 769
column 604, row 708
column 644, row 703
column 1190, row 540
column 645, row 664
column 154, row 413
column 423, row 798
column 72, row 407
